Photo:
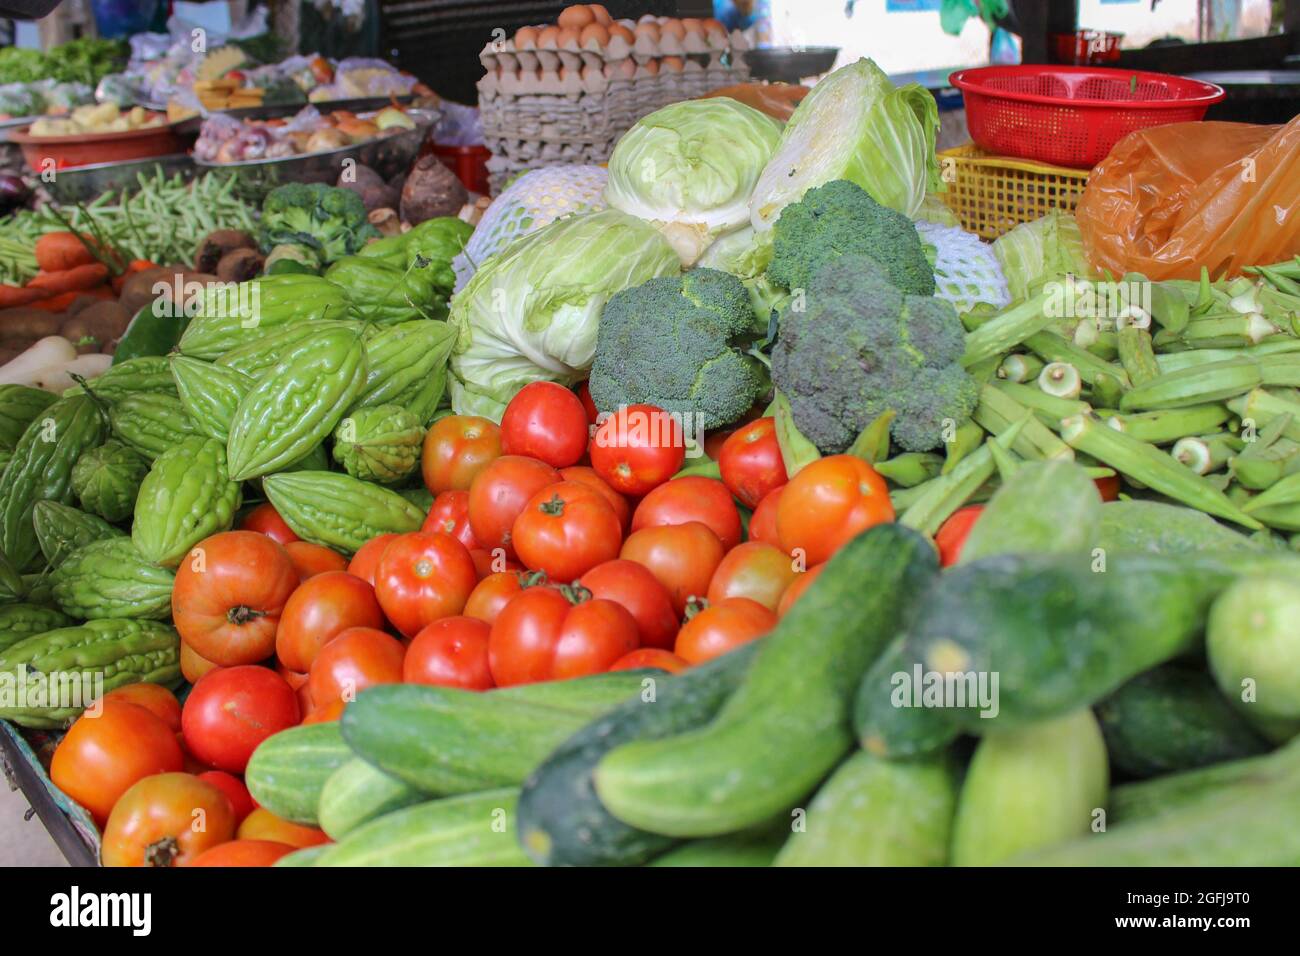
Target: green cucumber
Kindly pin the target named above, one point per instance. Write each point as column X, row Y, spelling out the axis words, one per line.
column 304, row 857
column 1160, row 528
column 1048, row 506
column 356, row 793
column 1171, row 719
column 1254, row 648
column 561, row 820
column 728, row 776
column 1057, row 632
column 874, row 812
column 288, row 770
column 1030, row 788
column 1253, row 823
column 734, row 849
column 473, row 830
column 448, row 741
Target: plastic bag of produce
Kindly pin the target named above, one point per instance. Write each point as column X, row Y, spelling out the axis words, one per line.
column 1171, row 199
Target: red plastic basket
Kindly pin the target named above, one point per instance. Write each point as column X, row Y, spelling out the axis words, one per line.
column 1073, row 115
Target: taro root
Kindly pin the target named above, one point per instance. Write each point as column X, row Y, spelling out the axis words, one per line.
column 431, row 190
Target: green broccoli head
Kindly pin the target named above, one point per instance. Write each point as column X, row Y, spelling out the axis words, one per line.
column 326, row 219
column 678, row 343
column 861, row 347
column 840, row 218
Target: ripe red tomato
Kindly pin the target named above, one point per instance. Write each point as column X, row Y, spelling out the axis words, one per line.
column 565, row 530
column 751, row 462
column 682, row 557
column 829, row 502
column 450, row 515
column 424, row 576
column 586, row 475
column 796, row 589
column 588, row 406
column 753, row 570
column 232, row 710
column 500, row 492
column 451, row 652
column 357, row 658
column 154, row 824
column 491, row 594
column 638, row 448
column 1108, row 487
column 240, row 799
column 953, row 533
column 193, row 664
column 456, row 449
column 545, row 421
column 155, row 698
column 722, row 627
column 639, row 591
column 655, row 657
column 310, row 559
column 264, row 519
column 542, row 635
column 493, row 562
column 762, row 523
column 101, row 757
column 365, row 561
column 323, row 606
column 298, row 681
column 262, row 824
column 242, row 853
column 229, row 595
column 693, row 498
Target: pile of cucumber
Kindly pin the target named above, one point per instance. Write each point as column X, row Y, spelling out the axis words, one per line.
column 1120, row 733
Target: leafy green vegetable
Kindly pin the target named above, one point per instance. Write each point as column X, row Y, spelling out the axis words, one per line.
column 1041, row 250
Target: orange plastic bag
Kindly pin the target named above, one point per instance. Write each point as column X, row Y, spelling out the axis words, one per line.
column 1171, row 199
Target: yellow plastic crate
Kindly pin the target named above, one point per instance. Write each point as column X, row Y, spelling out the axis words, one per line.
column 991, row 195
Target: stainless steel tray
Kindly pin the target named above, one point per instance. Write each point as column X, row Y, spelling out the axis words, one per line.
column 83, row 183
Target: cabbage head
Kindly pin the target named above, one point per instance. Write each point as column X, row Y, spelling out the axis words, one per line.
column 854, row 125
column 530, row 312
column 689, row 169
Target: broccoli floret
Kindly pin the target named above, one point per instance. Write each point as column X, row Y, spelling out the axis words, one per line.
column 861, row 347
column 841, row 218
column 330, row 221
column 677, row 343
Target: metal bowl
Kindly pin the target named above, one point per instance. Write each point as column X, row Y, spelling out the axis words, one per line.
column 789, row 64
column 83, row 183
column 389, row 156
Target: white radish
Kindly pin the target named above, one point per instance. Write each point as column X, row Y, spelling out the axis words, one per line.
column 56, row 378
column 50, row 352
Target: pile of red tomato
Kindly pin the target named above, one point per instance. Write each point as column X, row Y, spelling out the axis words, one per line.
column 555, row 547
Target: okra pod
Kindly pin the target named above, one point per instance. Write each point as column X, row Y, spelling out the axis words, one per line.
column 1231, row 331
column 1053, row 348
column 1060, row 380
column 1257, row 473
column 1194, row 386
column 1169, row 425
column 1152, row 467
column 1136, row 355
column 1106, row 390
column 1048, row 407
column 1169, row 307
column 1281, row 370
column 1020, row 367
column 965, row 440
column 1281, row 517
column 910, row 468
column 1006, row 330
column 1202, row 455
column 1286, row 491
column 997, row 411
column 947, row 493
column 1277, row 345
column 1257, row 408
column 1105, row 346
column 1004, row 461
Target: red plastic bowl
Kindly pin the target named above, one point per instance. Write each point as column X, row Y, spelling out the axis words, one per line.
column 1073, row 115
column 68, row 152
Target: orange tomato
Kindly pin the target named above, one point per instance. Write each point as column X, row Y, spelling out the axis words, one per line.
column 262, row 824
column 153, row 824
column 312, row 559
column 830, row 501
column 722, row 627
column 795, row 590
column 753, row 570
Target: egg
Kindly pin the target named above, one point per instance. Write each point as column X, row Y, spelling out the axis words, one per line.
column 600, row 13
column 546, row 38
column 567, row 38
column 652, row 67
column 692, row 25
column 714, row 26
column 674, row 64
column 648, row 18
column 526, row 38
column 618, row 30
column 648, row 30
column 624, row 68
column 673, row 28
column 594, row 31
column 575, row 17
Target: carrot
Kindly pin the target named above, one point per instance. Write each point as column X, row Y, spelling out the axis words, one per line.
column 13, row 295
column 132, row 267
column 76, row 279
column 61, row 301
column 57, row 251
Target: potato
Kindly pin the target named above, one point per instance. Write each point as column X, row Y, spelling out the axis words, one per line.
column 101, row 323
column 138, row 290
column 370, row 186
column 26, row 322
column 431, row 190
column 216, row 245
column 239, row 265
